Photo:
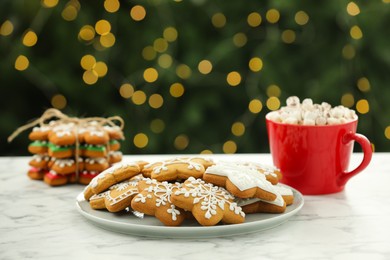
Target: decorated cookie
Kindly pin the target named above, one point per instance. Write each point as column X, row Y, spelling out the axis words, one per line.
column 36, row 173
column 97, row 164
column 38, row 147
column 39, row 161
column 115, row 132
column 62, row 137
column 90, row 150
column 117, row 197
column 114, row 157
column 154, row 199
column 60, row 151
column 176, row 169
column 67, row 166
column 96, row 137
column 241, row 181
column 54, row 179
column 208, row 203
column 272, row 174
column 85, row 176
column 114, row 145
column 113, row 175
column 39, row 133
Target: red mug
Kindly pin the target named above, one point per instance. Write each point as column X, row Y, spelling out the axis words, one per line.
column 315, row 159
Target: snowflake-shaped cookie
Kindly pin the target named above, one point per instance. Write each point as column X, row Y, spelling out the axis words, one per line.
column 241, row 181
column 154, row 199
column 208, row 203
column 177, row 168
column 117, row 198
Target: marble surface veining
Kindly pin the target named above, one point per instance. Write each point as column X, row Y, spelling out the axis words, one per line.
column 41, row 222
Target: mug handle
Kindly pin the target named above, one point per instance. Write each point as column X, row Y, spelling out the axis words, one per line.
column 367, row 155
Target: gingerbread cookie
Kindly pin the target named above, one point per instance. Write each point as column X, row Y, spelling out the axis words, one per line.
column 113, row 175
column 62, row 137
column 115, row 132
column 208, row 203
column 154, row 199
column 39, row 133
column 38, row 147
column 97, row 164
column 90, row 150
column 272, row 174
column 36, row 173
column 39, row 161
column 241, row 181
column 67, row 166
column 117, row 197
column 85, row 176
column 54, row 179
column 96, row 137
column 58, row 151
column 177, row 169
column 114, row 157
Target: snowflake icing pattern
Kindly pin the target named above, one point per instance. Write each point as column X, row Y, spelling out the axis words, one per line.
column 209, row 196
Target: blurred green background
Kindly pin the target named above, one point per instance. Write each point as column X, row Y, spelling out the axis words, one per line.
column 192, row 76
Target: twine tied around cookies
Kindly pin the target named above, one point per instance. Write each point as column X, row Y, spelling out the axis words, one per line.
column 52, row 113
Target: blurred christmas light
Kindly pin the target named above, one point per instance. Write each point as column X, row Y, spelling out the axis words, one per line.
column 58, row 101
column 255, row 64
column 288, row 36
column 30, row 38
column 170, row 34
column 49, row 3
column 301, row 18
column 363, row 84
column 150, row 75
column 141, row 140
column 362, row 106
column 176, row 90
column 101, row 69
column 148, row 53
column 21, row 63
column 88, row 62
column 387, row 132
column 181, row 142
column 6, row 28
column 233, row 78
column 160, row 45
column 138, row 97
column 111, row 6
column 348, row 52
column 107, row 40
column 353, row 9
column 240, row 39
column 165, row 61
column 138, row 13
column 255, row 106
column 229, row 147
column 273, row 91
column 157, row 126
column 356, row 33
column 102, row 27
column 90, row 77
column 69, row 13
column 207, row 151
column 156, row 101
column 347, row 100
column 126, row 90
column 272, row 16
column 273, row 103
column 218, row 20
column 238, row 129
column 254, row 19
column 205, row 66
column 87, row 33
column 183, row 71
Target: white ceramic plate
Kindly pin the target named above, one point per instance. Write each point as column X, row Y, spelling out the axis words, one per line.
column 127, row 223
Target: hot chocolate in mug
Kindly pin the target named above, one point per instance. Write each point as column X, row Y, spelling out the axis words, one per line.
column 315, row 159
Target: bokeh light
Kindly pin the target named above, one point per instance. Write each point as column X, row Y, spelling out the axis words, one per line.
column 229, row 147
column 126, row 90
column 141, row 140
column 238, row 129
column 233, row 78
column 30, row 38
column 181, row 142
column 218, row 20
column 205, row 66
column 255, row 64
column 176, row 90
column 273, row 103
column 362, row 106
column 138, row 97
column 21, row 63
column 301, row 18
column 254, row 19
column 138, row 13
column 156, row 101
column 255, row 106
column 272, row 16
column 58, row 101
column 150, row 75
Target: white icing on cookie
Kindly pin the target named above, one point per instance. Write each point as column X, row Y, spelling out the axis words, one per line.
column 109, row 171
column 164, row 164
column 209, row 196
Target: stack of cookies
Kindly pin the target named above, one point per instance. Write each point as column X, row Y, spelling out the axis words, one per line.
column 68, row 152
column 198, row 188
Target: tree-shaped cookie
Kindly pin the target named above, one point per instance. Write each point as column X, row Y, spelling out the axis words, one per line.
column 208, row 203
column 154, row 199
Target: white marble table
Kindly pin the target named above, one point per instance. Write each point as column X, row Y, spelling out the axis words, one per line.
column 41, row 222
